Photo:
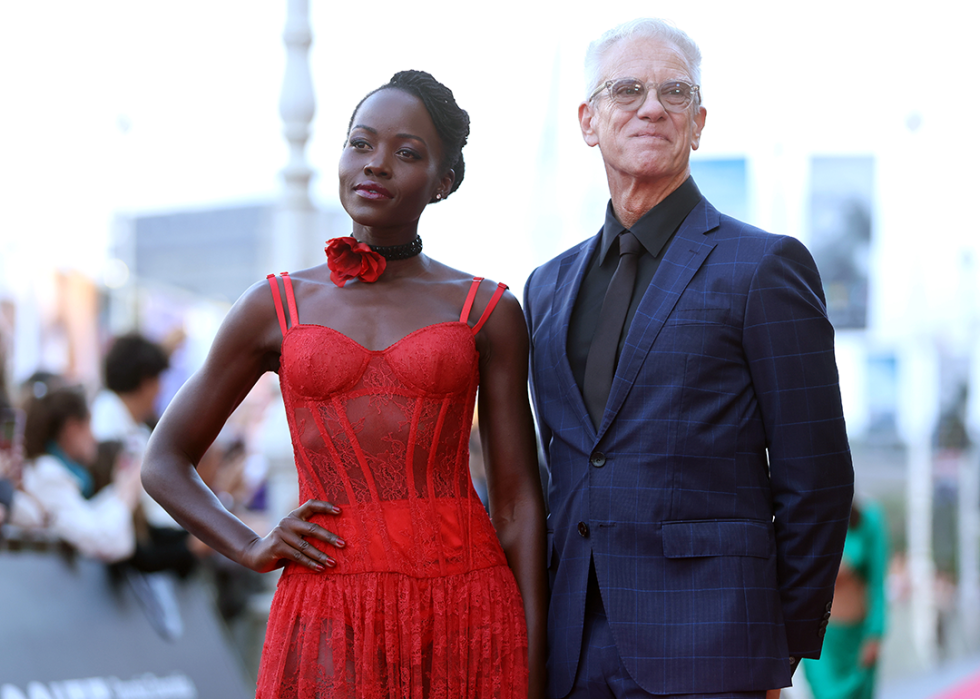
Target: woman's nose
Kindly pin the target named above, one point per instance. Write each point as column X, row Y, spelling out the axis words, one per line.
column 378, row 165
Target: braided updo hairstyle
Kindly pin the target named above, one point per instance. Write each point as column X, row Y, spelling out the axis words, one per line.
column 451, row 121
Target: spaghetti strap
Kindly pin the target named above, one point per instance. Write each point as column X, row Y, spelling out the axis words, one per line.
column 501, row 288
column 470, row 297
column 290, row 298
column 277, row 299
column 468, row 304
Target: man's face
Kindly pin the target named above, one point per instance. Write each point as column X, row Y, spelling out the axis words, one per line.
column 648, row 144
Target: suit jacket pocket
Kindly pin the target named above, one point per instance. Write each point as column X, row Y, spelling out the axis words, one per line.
column 697, row 539
column 699, row 315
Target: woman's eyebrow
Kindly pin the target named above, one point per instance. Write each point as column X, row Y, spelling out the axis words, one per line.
column 398, row 135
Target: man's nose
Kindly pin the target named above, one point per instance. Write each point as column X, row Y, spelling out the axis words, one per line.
column 651, row 108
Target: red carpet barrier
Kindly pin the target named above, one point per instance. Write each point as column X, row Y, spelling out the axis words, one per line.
column 66, row 630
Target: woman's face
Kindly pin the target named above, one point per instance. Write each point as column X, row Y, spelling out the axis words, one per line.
column 77, row 441
column 392, row 164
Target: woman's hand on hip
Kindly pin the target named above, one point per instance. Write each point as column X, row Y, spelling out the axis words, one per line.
column 290, row 541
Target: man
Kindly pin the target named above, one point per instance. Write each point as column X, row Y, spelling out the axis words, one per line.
column 687, row 398
column 133, row 369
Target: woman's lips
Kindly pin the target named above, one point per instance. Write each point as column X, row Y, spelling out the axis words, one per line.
column 372, row 190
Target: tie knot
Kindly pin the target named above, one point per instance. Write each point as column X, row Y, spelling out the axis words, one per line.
column 628, row 244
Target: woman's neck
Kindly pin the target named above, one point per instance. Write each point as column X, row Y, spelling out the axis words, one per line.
column 401, row 235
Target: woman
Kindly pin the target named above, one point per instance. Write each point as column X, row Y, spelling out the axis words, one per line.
column 394, row 582
column 59, row 445
column 848, row 663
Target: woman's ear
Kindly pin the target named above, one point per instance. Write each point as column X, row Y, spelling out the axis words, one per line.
column 445, row 186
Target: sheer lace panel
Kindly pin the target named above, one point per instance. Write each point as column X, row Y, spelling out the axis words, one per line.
column 421, row 602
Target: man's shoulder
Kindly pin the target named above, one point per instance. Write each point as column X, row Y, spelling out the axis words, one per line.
column 549, row 269
column 749, row 239
column 730, row 227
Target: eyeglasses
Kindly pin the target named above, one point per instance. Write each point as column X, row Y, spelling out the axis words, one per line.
column 629, row 94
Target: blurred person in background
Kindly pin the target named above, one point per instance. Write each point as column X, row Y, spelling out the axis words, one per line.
column 58, row 446
column 395, row 580
column 127, row 405
column 16, row 507
column 848, row 665
column 123, row 412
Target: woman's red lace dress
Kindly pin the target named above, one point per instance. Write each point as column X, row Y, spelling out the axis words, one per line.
column 421, row 602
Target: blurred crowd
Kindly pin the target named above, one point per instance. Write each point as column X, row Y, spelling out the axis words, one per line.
column 70, row 460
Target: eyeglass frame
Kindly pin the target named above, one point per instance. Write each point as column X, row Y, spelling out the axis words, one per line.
column 695, row 93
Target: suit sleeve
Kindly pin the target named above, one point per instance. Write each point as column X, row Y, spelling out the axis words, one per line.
column 544, row 434
column 789, row 345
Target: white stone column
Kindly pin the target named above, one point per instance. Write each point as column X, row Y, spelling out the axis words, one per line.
column 918, row 412
column 295, row 215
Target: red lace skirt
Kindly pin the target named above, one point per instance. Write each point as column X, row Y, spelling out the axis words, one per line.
column 388, row 635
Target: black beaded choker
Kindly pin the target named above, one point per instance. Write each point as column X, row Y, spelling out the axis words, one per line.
column 399, row 252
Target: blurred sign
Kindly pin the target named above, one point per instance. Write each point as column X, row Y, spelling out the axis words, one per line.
column 841, row 205
column 68, row 632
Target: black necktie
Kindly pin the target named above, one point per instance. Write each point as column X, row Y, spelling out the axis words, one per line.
column 600, row 365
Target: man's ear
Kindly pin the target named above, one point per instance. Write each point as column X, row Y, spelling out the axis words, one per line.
column 586, row 116
column 699, row 118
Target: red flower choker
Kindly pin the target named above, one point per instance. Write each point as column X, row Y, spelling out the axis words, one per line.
column 349, row 259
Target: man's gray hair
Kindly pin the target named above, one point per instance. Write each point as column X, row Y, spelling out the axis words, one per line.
column 649, row 28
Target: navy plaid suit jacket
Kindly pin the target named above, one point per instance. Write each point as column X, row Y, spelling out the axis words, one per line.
column 714, row 495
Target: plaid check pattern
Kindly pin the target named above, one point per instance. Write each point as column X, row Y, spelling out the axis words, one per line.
column 714, row 495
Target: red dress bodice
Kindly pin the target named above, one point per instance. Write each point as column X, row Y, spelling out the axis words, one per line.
column 421, row 602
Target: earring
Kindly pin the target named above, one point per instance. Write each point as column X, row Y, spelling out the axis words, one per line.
column 438, row 196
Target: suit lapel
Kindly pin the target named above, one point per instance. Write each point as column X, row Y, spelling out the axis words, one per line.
column 570, row 274
column 684, row 257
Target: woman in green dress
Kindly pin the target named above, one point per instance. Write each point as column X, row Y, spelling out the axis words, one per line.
column 849, row 660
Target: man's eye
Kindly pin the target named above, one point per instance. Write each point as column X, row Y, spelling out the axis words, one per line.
column 627, row 90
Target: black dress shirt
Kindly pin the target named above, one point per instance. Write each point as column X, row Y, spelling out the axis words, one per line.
column 654, row 230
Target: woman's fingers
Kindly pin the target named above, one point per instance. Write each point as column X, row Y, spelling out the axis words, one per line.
column 299, row 550
column 307, row 528
column 295, row 530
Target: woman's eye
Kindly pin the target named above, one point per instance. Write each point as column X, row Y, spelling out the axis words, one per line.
column 406, row 153
column 358, row 143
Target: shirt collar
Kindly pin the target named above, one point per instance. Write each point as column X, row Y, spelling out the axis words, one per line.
column 657, row 225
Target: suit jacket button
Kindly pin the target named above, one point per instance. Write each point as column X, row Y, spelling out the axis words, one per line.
column 583, row 529
column 598, row 459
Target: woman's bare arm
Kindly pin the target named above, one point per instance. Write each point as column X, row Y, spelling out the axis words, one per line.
column 246, row 346
column 510, row 454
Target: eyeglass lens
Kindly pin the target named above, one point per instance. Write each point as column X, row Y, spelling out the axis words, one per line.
column 630, row 93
